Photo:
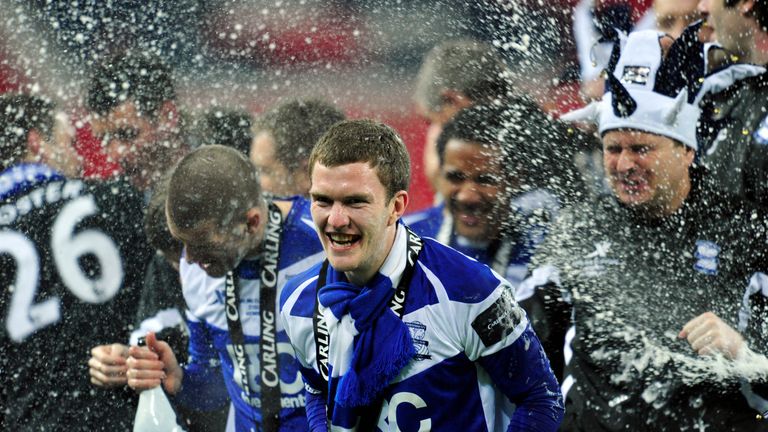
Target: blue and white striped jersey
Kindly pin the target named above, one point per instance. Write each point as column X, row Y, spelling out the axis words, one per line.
column 211, row 347
column 476, row 351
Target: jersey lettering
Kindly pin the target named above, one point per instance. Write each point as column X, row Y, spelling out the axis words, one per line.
column 26, row 317
column 286, row 388
column 390, row 411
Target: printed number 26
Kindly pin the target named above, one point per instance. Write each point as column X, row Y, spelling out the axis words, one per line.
column 25, row 316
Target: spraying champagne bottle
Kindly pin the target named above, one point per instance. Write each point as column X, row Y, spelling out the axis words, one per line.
column 155, row 413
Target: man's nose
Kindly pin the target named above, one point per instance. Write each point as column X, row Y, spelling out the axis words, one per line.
column 468, row 192
column 626, row 161
column 703, row 8
column 338, row 218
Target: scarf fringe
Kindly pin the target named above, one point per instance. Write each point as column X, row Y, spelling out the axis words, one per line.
column 363, row 383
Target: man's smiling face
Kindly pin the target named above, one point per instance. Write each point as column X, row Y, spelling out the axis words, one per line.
column 355, row 217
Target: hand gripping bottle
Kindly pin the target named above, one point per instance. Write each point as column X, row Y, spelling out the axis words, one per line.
column 154, row 413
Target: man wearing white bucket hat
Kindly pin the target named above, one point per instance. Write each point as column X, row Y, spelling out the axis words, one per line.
column 646, row 285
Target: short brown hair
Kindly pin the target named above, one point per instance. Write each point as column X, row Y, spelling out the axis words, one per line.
column 137, row 76
column 227, row 127
column 368, row 141
column 295, row 126
column 471, row 67
column 215, row 184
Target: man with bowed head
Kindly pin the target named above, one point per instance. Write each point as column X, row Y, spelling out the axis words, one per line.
column 239, row 249
column 390, row 331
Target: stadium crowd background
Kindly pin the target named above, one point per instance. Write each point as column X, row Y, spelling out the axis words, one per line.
column 361, row 55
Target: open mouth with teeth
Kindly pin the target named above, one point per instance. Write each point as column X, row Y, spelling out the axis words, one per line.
column 342, row 240
column 633, row 186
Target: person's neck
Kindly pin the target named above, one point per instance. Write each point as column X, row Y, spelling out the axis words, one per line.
column 257, row 239
column 682, row 195
column 32, row 158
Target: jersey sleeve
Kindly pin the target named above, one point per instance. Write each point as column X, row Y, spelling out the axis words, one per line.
column 317, row 416
column 296, row 311
column 203, row 385
column 501, row 340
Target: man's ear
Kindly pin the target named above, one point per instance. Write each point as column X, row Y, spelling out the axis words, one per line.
column 301, row 177
column 35, row 144
column 746, row 7
column 400, row 201
column 253, row 219
column 690, row 155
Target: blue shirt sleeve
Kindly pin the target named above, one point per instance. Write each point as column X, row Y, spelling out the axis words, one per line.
column 522, row 372
column 316, row 412
column 203, row 385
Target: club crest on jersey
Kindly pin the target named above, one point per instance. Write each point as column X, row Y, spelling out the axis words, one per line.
column 706, row 257
column 595, row 262
column 418, row 335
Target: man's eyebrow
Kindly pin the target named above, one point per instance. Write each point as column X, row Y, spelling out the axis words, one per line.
column 357, row 197
column 316, row 195
column 351, row 197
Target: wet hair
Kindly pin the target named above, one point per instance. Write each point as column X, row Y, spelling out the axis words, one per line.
column 227, row 127
column 140, row 78
column 212, row 184
column 467, row 66
column 368, row 141
column 20, row 114
column 513, row 128
column 155, row 222
column 295, row 126
column 759, row 11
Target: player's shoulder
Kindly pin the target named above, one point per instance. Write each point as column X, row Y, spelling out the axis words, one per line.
column 299, row 217
column 299, row 238
column 298, row 295
column 464, row 279
column 425, row 223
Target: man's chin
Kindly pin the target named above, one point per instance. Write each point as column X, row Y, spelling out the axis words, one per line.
column 635, row 202
column 342, row 264
column 216, row 275
column 474, row 233
column 216, row 272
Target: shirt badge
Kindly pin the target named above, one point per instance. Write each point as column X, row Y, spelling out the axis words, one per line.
column 418, row 336
column 706, row 257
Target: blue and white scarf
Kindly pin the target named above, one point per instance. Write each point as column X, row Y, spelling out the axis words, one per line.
column 371, row 344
